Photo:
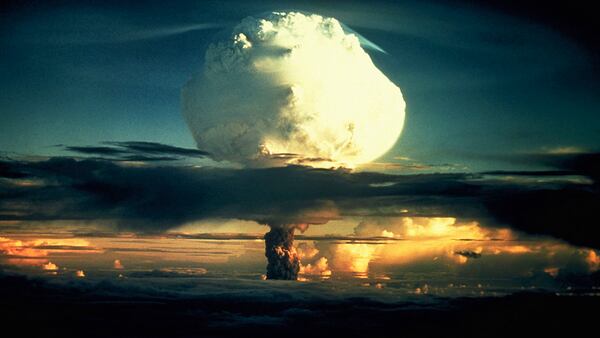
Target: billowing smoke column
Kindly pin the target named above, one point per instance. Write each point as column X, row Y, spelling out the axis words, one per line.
column 283, row 261
column 295, row 87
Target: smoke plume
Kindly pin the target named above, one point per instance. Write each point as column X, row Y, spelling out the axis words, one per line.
column 283, row 260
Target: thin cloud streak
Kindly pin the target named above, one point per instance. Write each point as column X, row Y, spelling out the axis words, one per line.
column 163, row 32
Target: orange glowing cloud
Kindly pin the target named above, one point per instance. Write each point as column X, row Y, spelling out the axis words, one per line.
column 552, row 271
column 593, row 260
column 10, row 247
column 352, row 257
column 320, row 268
column 306, row 250
column 49, row 266
column 430, row 239
column 512, row 249
column 425, row 227
column 117, row 265
column 41, row 247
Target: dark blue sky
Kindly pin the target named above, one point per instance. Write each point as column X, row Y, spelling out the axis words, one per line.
column 481, row 83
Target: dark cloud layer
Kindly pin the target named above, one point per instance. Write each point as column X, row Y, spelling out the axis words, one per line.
column 468, row 254
column 108, row 308
column 562, row 203
column 137, row 151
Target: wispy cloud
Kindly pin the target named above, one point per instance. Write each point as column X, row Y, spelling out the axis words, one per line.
column 163, row 32
column 89, row 27
column 141, row 151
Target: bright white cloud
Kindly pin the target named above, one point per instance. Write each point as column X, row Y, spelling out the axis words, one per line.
column 292, row 88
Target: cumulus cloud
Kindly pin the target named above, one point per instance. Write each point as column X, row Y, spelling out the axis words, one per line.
column 306, row 250
column 352, row 257
column 292, row 88
column 49, row 266
column 422, row 227
column 320, row 268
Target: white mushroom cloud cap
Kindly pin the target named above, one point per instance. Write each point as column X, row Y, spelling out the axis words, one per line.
column 292, row 88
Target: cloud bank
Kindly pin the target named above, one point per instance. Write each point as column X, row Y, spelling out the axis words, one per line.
column 292, row 87
column 561, row 203
column 152, row 199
